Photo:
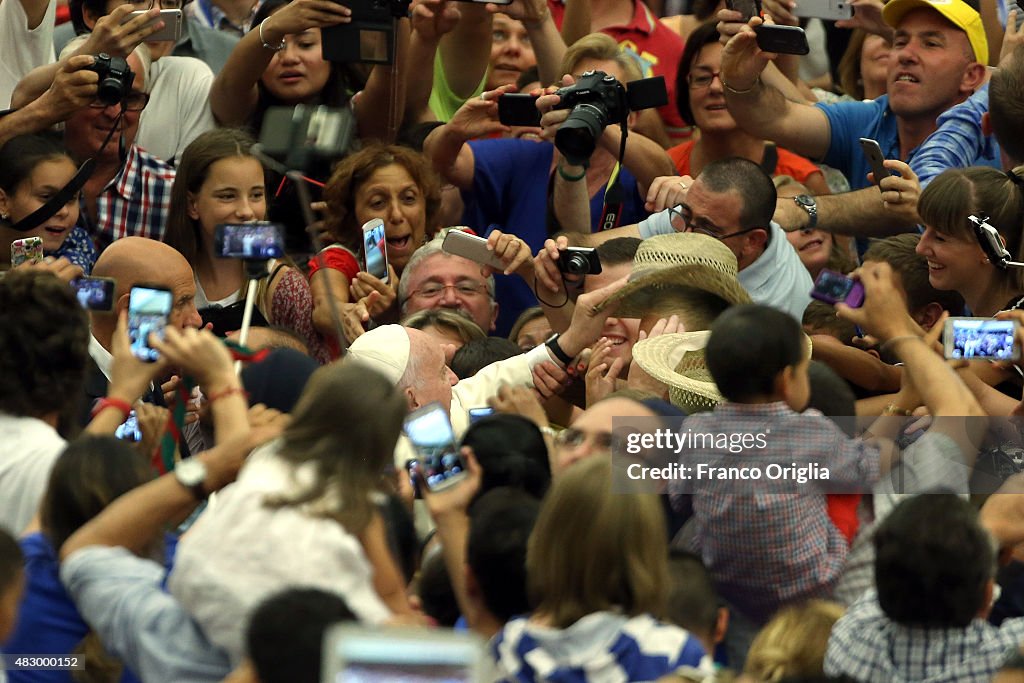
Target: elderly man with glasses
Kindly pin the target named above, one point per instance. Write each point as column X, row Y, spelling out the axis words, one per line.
column 434, row 278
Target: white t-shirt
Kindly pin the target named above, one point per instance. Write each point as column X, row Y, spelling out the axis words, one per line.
column 30, row 448
column 22, row 50
column 179, row 106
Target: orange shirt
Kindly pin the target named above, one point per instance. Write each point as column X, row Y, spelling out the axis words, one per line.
column 789, row 164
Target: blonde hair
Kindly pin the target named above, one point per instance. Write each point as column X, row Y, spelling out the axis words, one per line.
column 594, row 550
column 792, row 644
column 600, row 47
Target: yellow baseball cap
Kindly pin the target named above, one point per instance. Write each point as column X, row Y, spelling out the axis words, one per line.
column 958, row 12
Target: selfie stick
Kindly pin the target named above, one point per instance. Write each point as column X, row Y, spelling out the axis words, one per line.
column 255, row 270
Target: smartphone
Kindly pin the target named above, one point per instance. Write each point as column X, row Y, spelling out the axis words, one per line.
column 431, row 434
column 477, row 414
column 474, row 248
column 875, row 158
column 375, row 250
column 148, row 308
column 786, row 40
column 1020, row 13
column 171, row 31
column 129, row 429
column 94, row 293
column 981, row 339
column 833, row 287
column 579, row 261
column 251, row 241
column 831, row 10
column 364, row 654
column 26, row 249
column 748, row 8
column 518, row 109
column 369, row 36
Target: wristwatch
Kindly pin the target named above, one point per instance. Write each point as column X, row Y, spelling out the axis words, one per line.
column 191, row 473
column 556, row 349
column 808, row 204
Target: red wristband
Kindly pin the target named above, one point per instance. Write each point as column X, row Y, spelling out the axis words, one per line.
column 226, row 392
column 108, row 402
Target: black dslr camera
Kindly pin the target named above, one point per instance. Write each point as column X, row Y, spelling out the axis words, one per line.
column 116, row 78
column 598, row 100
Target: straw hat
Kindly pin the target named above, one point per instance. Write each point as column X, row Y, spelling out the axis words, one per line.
column 678, row 261
column 677, row 360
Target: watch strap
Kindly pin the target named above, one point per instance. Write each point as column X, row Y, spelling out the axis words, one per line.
column 560, row 354
column 808, row 204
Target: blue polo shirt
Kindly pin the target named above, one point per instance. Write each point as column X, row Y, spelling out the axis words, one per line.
column 510, row 193
column 850, row 121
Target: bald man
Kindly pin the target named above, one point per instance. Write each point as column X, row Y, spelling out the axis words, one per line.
column 132, row 261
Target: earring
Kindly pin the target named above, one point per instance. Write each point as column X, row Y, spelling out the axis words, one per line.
column 3, row 216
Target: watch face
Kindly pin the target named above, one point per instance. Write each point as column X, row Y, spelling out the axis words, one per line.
column 190, row 472
column 804, row 200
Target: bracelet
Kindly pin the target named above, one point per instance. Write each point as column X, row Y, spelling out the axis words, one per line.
column 108, row 402
column 226, row 392
column 557, row 350
column 275, row 48
column 734, row 91
column 571, row 178
column 893, row 409
column 884, row 347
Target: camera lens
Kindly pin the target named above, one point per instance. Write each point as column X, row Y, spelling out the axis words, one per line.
column 110, row 90
column 577, row 137
column 577, row 264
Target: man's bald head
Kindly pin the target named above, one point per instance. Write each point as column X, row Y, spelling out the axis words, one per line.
column 133, row 261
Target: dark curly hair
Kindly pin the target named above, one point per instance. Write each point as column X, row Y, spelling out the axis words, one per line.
column 44, row 345
column 354, row 170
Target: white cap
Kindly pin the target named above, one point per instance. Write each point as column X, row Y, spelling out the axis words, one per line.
column 385, row 349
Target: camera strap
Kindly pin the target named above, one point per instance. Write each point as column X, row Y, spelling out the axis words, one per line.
column 611, row 211
column 54, row 204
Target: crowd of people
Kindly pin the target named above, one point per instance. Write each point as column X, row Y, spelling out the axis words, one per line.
column 297, row 351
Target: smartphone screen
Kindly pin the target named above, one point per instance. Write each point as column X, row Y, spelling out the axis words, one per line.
column 431, row 433
column 477, row 414
column 148, row 308
column 364, row 655
column 27, row 249
column 253, row 241
column 981, row 339
column 129, row 430
column 94, row 293
column 375, row 249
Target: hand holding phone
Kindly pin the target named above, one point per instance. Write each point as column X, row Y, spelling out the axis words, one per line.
column 28, row 249
column 375, row 250
column 786, row 40
column 472, row 247
column 171, row 30
column 430, row 431
column 873, row 153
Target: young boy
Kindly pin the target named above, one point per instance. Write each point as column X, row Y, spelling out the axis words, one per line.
column 766, row 550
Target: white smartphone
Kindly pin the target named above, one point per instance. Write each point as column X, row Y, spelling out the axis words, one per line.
column 430, row 431
column 981, row 339
column 873, row 153
column 474, row 248
column 171, row 31
column 831, row 10
column 353, row 653
column 375, row 250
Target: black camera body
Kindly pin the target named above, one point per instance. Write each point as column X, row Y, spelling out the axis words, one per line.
column 116, row 78
column 370, row 36
column 579, row 261
column 598, row 100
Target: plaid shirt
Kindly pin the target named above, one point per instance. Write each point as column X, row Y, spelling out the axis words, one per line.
column 135, row 203
column 767, row 549
column 867, row 646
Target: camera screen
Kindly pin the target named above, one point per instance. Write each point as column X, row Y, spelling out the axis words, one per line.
column 147, row 313
column 250, row 241
column 987, row 339
column 834, row 285
column 373, row 244
column 94, row 293
column 431, row 433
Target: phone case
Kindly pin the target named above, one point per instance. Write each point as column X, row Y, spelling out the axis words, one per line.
column 172, row 19
column 875, row 158
column 976, row 347
column 853, row 298
column 379, row 273
column 518, row 109
column 472, row 247
column 786, row 40
column 27, row 249
column 832, row 10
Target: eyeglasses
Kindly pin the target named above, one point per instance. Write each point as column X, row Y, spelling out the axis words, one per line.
column 702, row 80
column 433, row 290
column 163, row 4
column 133, row 101
column 683, row 221
column 574, row 438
